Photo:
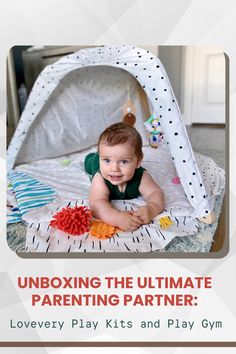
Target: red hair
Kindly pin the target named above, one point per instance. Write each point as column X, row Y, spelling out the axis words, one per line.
column 120, row 133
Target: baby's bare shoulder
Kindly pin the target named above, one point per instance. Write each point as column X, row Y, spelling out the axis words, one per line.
column 147, row 185
column 146, row 176
column 98, row 186
column 97, row 177
column 98, row 180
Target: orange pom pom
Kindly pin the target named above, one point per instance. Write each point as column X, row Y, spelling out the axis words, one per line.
column 75, row 221
column 102, row 230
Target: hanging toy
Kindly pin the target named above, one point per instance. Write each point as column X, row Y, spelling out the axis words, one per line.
column 129, row 113
column 74, row 221
column 165, row 222
column 155, row 134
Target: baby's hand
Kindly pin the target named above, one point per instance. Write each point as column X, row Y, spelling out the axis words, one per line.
column 145, row 214
column 128, row 221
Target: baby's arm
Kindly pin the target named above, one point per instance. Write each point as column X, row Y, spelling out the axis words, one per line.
column 154, row 197
column 102, row 209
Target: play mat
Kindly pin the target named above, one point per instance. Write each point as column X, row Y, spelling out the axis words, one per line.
column 60, row 182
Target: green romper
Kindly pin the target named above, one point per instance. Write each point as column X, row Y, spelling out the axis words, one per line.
column 91, row 164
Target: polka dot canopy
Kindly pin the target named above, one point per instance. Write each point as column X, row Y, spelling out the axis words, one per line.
column 56, row 99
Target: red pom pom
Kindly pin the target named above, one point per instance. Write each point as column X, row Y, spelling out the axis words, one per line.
column 75, row 221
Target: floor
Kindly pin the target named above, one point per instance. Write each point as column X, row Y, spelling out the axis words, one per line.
column 210, row 141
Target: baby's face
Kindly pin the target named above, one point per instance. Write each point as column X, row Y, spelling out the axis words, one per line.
column 118, row 162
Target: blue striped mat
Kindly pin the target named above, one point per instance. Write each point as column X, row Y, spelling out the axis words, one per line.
column 30, row 194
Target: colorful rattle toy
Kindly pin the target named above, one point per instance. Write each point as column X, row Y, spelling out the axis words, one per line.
column 155, row 134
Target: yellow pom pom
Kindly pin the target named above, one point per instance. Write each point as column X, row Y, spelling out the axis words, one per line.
column 165, row 222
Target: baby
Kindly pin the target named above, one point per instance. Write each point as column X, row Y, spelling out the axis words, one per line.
column 117, row 174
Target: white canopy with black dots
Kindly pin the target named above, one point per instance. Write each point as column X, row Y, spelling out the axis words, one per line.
column 73, row 100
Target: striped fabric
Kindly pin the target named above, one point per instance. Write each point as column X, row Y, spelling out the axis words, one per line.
column 13, row 216
column 30, row 194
